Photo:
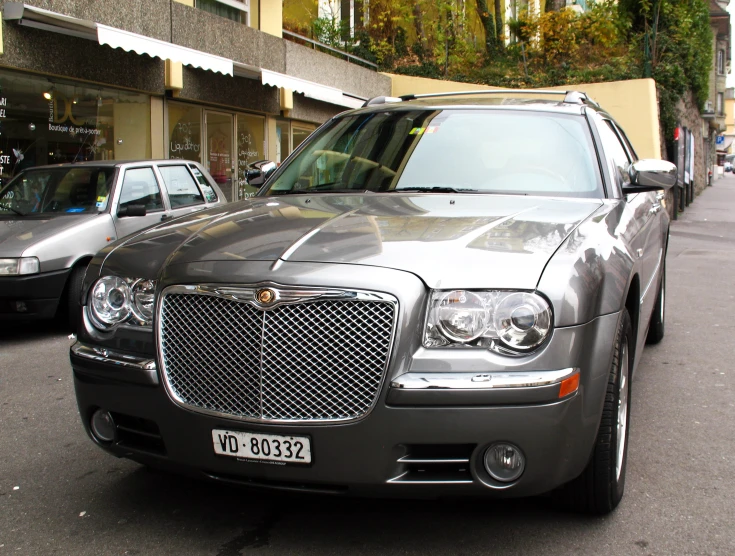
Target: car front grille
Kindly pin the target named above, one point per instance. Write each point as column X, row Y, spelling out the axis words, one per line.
column 317, row 360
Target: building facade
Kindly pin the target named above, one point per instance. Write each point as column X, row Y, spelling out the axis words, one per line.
column 714, row 112
column 206, row 80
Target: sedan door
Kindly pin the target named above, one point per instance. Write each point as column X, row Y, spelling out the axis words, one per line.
column 139, row 186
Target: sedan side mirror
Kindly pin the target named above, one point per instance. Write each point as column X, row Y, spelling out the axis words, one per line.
column 131, row 210
column 259, row 172
column 651, row 175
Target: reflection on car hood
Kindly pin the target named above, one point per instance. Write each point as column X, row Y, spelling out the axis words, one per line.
column 449, row 241
column 18, row 234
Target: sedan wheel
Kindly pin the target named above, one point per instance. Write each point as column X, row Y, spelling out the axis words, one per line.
column 599, row 489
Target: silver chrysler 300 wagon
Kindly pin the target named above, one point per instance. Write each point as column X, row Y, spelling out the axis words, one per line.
column 434, row 295
column 53, row 219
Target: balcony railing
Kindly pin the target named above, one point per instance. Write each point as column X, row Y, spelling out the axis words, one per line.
column 316, row 45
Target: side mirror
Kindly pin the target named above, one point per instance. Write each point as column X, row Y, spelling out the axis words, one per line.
column 259, row 172
column 651, row 175
column 131, row 210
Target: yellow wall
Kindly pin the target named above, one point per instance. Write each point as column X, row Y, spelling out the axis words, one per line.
column 632, row 103
column 730, row 116
column 186, row 2
column 271, row 17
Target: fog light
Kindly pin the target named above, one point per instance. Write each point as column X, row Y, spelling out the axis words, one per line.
column 504, row 462
column 21, row 307
column 103, row 426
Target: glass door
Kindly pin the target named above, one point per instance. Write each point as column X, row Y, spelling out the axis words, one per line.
column 219, row 149
column 250, row 148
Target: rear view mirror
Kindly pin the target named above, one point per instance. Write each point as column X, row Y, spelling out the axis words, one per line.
column 131, row 210
column 651, row 175
column 259, row 172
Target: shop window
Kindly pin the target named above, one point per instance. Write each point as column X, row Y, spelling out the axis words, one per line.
column 181, row 188
column 250, row 148
column 283, row 141
column 184, row 132
column 45, row 121
column 141, row 188
column 300, row 134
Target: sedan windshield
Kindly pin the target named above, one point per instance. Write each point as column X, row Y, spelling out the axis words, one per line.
column 439, row 151
column 61, row 190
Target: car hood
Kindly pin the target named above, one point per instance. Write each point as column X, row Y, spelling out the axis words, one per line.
column 18, row 234
column 449, row 241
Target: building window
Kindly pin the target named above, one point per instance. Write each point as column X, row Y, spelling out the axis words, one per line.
column 721, row 62
column 236, row 10
column 720, row 104
column 51, row 121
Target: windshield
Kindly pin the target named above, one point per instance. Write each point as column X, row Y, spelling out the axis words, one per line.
column 58, row 190
column 498, row 151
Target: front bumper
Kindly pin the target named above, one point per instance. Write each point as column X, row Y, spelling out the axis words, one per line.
column 427, row 444
column 31, row 297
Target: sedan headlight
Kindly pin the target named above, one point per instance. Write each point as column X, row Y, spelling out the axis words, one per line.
column 506, row 322
column 115, row 300
column 23, row 265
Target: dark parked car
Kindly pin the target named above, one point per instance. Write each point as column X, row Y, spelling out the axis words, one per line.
column 435, row 295
column 53, row 219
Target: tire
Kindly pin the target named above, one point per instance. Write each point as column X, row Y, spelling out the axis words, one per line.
column 73, row 288
column 599, row 489
column 656, row 328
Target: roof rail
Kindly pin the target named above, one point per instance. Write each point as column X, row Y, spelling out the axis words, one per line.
column 381, row 100
column 570, row 97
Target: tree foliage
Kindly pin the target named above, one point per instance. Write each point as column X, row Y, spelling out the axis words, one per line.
column 467, row 40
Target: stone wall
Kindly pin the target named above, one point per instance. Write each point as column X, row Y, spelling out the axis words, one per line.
column 690, row 117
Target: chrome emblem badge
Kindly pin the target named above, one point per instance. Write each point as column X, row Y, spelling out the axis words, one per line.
column 265, row 296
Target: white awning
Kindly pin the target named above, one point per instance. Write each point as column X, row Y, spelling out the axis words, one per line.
column 30, row 16
column 310, row 89
column 117, row 38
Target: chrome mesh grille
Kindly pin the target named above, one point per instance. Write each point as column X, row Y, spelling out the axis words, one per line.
column 321, row 360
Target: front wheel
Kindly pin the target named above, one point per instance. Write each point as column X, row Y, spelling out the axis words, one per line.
column 74, row 287
column 599, row 489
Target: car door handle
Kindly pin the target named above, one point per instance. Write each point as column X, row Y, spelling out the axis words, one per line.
column 660, row 195
column 164, row 217
column 654, row 209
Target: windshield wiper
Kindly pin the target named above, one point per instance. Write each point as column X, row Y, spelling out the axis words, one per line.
column 8, row 207
column 435, row 189
column 314, row 190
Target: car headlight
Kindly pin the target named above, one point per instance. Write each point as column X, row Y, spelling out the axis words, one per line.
column 23, row 265
column 506, row 322
column 115, row 300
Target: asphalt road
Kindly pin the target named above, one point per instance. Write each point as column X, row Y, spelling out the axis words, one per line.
column 61, row 495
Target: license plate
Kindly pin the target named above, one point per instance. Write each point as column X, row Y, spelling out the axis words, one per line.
column 262, row 447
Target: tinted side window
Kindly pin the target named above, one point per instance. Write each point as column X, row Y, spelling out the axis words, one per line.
column 181, row 187
column 615, row 152
column 141, row 188
column 204, row 184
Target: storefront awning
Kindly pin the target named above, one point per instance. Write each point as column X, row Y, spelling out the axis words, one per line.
column 310, row 89
column 38, row 18
column 117, row 38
